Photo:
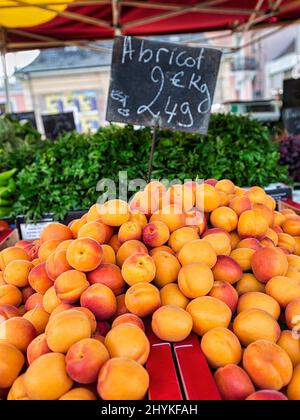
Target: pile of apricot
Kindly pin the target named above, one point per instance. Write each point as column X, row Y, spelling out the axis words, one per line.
column 211, row 259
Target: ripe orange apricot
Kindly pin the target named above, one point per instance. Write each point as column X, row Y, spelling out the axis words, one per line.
column 171, row 323
column 56, row 231
column 172, row 295
column 129, row 248
column 39, row 279
column 142, row 299
column 197, row 251
column 93, row 230
column 12, row 361
column 10, row 295
column 10, row 254
column 109, row 256
column 109, row 275
column 269, row 262
column 16, row 273
column 182, row 236
column 252, row 224
column 195, row 280
column 100, row 300
column 84, row 254
column 156, row 234
column 130, row 231
column 138, row 268
column 128, row 340
column 207, row 198
column 224, row 218
column 167, row 268
column 114, row 212
column 70, row 285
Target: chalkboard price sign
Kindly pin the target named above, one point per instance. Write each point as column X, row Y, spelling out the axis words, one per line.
column 291, row 120
column 160, row 84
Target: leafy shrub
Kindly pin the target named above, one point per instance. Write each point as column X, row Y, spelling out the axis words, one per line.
column 290, row 155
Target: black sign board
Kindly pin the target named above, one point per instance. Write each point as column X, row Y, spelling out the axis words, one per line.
column 291, row 93
column 55, row 124
column 291, row 120
column 162, row 84
column 25, row 116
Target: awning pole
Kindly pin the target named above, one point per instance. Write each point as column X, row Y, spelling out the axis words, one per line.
column 116, row 12
column 4, row 69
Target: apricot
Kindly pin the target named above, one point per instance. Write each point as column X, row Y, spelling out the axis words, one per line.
column 93, row 230
column 78, row 394
column 270, row 202
column 240, row 204
column 94, row 214
column 225, row 292
column 57, row 264
column 7, row 312
column 219, row 240
column 156, row 234
column 164, row 248
column 75, row 226
column 39, row 280
column 249, row 283
column 268, row 365
column 46, row 249
column 128, row 319
column 114, row 243
column 109, row 275
column 37, row 348
column 293, row 390
column 257, row 300
column 122, row 379
column 2, row 282
column 292, row 314
column 63, row 246
column 182, row 236
column 167, row 268
column 195, row 280
column 255, row 324
column 128, row 249
column 18, row 332
column 197, row 251
column 138, row 217
column 252, row 224
column 269, row 262
column 207, row 198
column 10, row 254
column 89, row 314
column 226, row 186
column 208, row 313
column 66, row 328
column 145, row 202
column 267, row 395
column 182, row 196
column 50, row 300
column 293, row 273
column 16, row 273
column 109, row 256
column 287, row 212
column 121, row 307
column 286, row 242
column 128, row 340
column 39, row 319
column 196, row 219
column 84, row 254
column 211, row 181
column 221, row 347
column 85, row 359
column 114, row 212
column 138, row 268
column 171, row 215
column 233, row 383
column 227, row 269
column 279, row 218
column 100, row 300
column 243, row 257
column 11, row 363
column 18, row 392
column 130, row 231
column 172, row 295
column 46, row 378
column 283, row 289
column 291, row 226
column 294, row 262
column 272, row 235
column 224, row 218
column 256, row 195
column 265, row 211
column 56, row 231
column 251, row 243
column 34, row 301
column 142, row 299
column 10, row 295
column 171, row 323
column 234, row 240
column 26, row 293
column 291, row 345
column 70, row 285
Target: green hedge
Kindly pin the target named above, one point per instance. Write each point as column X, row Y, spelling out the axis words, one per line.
column 64, row 173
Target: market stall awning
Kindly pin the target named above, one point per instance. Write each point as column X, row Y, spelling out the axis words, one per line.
column 87, row 20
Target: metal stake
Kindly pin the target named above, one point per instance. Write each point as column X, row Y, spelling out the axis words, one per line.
column 150, row 165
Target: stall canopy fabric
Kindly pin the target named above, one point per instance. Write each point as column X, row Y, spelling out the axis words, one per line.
column 89, row 20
